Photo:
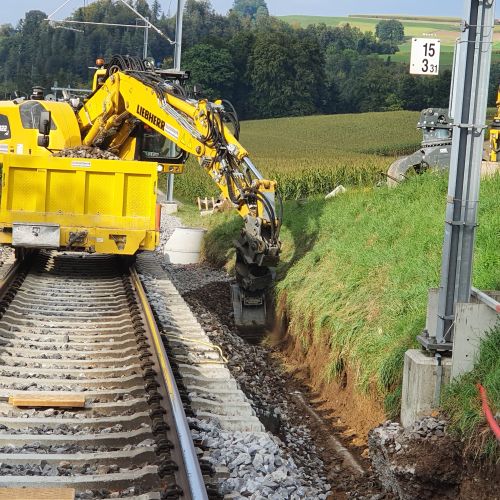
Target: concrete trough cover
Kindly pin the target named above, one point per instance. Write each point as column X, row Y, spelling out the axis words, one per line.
column 184, row 246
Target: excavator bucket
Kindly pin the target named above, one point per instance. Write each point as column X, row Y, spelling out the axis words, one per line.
column 435, row 149
column 250, row 313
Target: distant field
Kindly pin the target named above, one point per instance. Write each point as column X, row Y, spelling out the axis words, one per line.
column 446, row 29
column 312, row 155
column 432, row 19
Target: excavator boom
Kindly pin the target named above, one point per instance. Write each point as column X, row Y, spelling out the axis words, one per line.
column 129, row 95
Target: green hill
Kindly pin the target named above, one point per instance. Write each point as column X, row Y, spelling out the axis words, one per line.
column 446, row 29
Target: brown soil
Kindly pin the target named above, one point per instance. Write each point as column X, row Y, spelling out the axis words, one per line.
column 434, row 467
column 338, row 401
column 484, row 485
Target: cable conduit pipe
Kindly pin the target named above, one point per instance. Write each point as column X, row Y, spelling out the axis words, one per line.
column 488, row 413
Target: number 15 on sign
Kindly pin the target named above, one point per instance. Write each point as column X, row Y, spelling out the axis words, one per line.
column 425, row 56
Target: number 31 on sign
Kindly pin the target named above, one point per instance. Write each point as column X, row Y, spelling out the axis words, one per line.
column 425, row 56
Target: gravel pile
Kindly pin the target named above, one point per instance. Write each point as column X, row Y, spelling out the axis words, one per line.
column 86, row 152
column 418, row 462
column 393, row 436
column 258, row 466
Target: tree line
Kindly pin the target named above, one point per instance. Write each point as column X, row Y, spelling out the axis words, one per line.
column 266, row 67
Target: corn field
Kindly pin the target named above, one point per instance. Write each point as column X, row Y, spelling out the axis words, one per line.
column 312, row 155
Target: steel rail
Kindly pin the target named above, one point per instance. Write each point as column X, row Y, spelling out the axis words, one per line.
column 28, row 278
column 191, row 464
column 9, row 277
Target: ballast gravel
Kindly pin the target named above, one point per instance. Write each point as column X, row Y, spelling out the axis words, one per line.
column 258, row 465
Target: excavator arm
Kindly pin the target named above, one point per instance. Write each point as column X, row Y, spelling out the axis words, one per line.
column 129, row 93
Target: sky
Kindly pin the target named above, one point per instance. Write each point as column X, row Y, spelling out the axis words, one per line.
column 15, row 10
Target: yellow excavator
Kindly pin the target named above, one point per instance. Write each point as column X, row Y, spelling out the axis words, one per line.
column 495, row 132
column 82, row 173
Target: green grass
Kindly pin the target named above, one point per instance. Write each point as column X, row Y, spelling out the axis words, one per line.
column 356, row 269
column 362, row 287
column 462, row 404
column 312, row 155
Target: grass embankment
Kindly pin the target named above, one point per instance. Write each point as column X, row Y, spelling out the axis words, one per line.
column 354, row 278
column 462, row 404
column 312, row 155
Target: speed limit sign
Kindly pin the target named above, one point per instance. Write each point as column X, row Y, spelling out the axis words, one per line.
column 425, row 56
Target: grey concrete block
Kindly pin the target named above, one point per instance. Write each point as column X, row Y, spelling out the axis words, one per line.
column 472, row 324
column 420, row 377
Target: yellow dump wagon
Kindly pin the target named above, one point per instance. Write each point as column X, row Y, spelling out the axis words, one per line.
column 103, row 206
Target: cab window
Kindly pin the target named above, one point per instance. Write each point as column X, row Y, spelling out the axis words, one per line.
column 155, row 146
column 30, row 115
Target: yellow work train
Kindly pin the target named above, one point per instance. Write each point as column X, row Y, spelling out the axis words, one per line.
column 82, row 173
column 97, row 205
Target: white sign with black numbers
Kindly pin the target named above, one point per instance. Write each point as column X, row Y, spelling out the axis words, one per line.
column 425, row 54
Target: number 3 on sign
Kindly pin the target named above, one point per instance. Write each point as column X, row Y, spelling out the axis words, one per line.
column 425, row 56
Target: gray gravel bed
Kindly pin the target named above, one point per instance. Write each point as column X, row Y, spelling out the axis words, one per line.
column 99, row 494
column 65, row 468
column 259, row 465
column 62, row 376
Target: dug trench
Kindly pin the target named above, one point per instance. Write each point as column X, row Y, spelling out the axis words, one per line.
column 318, row 420
column 278, row 397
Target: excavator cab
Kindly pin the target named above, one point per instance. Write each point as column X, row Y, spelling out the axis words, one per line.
column 152, row 146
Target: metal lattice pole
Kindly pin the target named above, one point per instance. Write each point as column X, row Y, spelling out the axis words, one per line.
column 146, row 41
column 177, row 66
column 469, row 113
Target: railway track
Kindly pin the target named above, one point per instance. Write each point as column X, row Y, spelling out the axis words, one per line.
column 88, row 402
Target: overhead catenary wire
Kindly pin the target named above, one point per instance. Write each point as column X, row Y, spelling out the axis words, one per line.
column 58, row 9
column 148, row 23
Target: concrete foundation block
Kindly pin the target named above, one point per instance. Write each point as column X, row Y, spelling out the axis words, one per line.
column 169, row 207
column 420, row 378
column 472, row 323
